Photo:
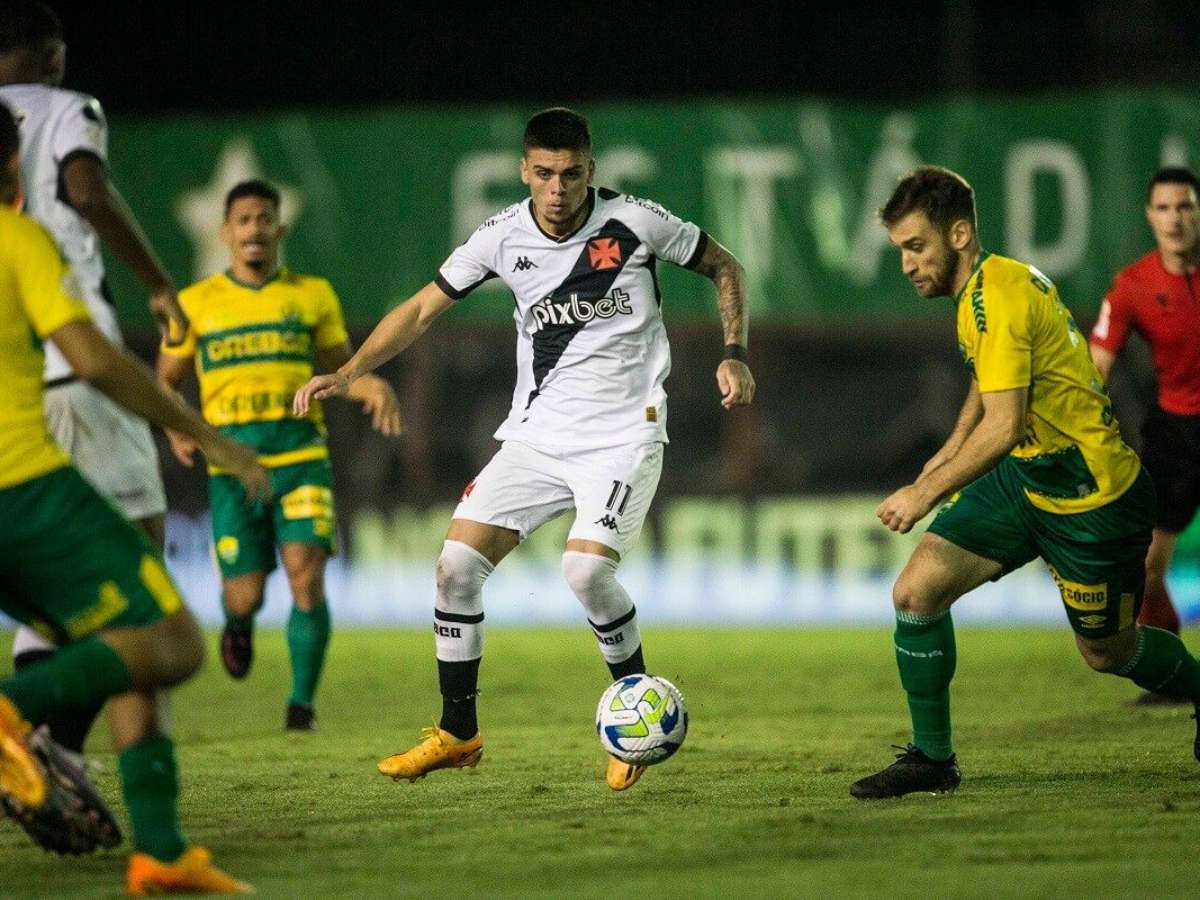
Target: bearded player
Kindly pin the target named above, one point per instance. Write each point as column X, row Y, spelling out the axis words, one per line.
column 1035, row 467
column 587, row 427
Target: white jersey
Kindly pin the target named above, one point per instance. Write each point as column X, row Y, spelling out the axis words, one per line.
column 56, row 126
column 592, row 352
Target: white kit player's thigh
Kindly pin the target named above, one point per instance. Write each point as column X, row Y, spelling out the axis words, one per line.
column 520, row 488
column 613, row 489
column 112, row 448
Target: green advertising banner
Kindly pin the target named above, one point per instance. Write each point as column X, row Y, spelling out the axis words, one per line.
column 377, row 198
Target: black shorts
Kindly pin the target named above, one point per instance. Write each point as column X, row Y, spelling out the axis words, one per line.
column 1171, row 454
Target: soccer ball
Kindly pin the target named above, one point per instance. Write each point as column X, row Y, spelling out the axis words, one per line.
column 641, row 719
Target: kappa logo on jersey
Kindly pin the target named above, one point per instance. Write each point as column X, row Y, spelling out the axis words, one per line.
column 607, row 521
column 524, row 264
column 467, row 490
column 576, row 311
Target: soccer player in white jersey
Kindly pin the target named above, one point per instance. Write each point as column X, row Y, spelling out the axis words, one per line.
column 588, row 420
column 65, row 187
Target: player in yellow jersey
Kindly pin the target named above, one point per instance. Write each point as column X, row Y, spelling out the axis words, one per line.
column 258, row 332
column 1035, row 467
column 75, row 570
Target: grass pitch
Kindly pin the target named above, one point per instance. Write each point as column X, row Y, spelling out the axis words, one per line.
column 1067, row 792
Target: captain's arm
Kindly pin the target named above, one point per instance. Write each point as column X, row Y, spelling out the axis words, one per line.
column 722, row 268
column 1000, row 428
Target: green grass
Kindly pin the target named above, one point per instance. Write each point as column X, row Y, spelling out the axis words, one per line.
column 1067, row 792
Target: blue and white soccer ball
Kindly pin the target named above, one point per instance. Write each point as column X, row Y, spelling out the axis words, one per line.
column 642, row 719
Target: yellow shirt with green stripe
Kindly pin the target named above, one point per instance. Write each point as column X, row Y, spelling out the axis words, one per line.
column 1015, row 332
column 38, row 295
column 254, row 347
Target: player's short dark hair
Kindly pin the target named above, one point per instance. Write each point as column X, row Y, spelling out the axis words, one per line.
column 558, row 128
column 10, row 138
column 1173, row 175
column 944, row 196
column 26, row 23
column 255, row 187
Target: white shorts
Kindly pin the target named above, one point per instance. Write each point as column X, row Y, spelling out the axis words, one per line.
column 610, row 490
column 112, row 448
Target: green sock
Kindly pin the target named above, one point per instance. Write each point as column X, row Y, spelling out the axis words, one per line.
column 926, row 657
column 1162, row 664
column 150, row 783
column 78, row 675
column 307, row 637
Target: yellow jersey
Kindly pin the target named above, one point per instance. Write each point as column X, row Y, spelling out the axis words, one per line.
column 38, row 295
column 254, row 347
column 1015, row 332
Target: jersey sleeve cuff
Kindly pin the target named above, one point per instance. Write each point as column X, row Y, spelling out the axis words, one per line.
column 181, row 350
column 454, row 293
column 76, row 312
column 996, row 386
column 698, row 253
column 79, row 152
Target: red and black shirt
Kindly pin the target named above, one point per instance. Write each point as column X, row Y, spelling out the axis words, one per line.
column 1165, row 310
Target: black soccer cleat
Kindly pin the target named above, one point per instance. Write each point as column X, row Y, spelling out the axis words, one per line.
column 1196, row 742
column 74, row 819
column 300, row 717
column 237, row 652
column 912, row 772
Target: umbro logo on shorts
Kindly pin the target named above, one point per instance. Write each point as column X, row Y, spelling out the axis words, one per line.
column 607, row 521
column 524, row 264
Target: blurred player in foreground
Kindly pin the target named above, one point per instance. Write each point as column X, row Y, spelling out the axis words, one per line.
column 64, row 147
column 1159, row 297
column 72, row 568
column 1035, row 467
column 257, row 333
column 588, row 422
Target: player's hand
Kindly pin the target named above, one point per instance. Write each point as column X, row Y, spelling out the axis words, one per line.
column 735, row 383
column 904, row 509
column 320, row 387
column 381, row 405
column 242, row 463
column 172, row 320
column 183, row 447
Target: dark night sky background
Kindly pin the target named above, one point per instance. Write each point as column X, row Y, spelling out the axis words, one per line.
column 160, row 57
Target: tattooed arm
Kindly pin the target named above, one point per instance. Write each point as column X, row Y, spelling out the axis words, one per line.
column 733, row 375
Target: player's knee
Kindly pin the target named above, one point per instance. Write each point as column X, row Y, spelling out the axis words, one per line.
column 1107, row 654
column 1156, row 568
column 178, row 650
column 461, row 571
column 916, row 597
column 244, row 602
column 307, row 593
column 587, row 574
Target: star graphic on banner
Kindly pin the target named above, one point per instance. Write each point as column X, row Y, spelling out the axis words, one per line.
column 201, row 211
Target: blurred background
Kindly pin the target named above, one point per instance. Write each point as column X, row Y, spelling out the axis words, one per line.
column 394, row 129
